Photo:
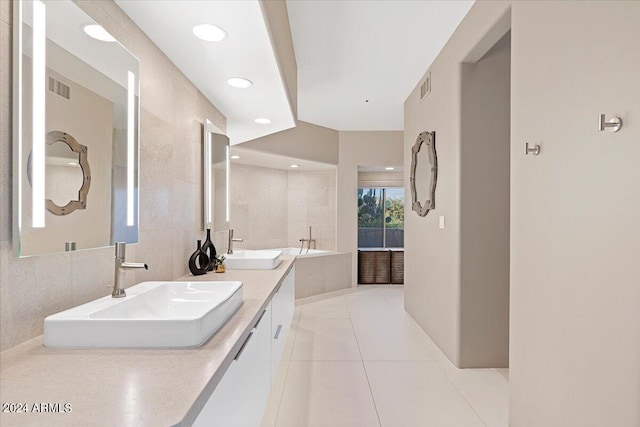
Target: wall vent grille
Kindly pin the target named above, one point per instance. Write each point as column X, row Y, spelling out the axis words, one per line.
column 59, row 88
column 425, row 87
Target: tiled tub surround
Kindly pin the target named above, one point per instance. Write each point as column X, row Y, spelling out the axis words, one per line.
column 319, row 272
column 171, row 115
column 288, row 201
column 134, row 387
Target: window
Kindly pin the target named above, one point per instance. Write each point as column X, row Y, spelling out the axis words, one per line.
column 381, row 217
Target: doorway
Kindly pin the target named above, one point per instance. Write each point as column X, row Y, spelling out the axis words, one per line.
column 485, row 207
column 381, row 202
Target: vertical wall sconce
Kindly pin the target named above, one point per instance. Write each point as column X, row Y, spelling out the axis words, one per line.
column 228, row 207
column 38, row 123
column 208, row 195
column 131, row 81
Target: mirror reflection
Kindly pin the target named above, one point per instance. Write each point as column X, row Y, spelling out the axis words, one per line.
column 424, row 173
column 67, row 174
column 77, row 102
column 63, row 176
column 216, row 177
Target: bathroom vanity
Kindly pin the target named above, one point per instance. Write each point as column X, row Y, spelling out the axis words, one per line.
column 228, row 379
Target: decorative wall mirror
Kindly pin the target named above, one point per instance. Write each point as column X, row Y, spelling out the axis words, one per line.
column 75, row 103
column 67, row 173
column 424, row 173
column 216, row 178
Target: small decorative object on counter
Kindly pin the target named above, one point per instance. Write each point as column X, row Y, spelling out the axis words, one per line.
column 199, row 261
column 220, row 267
column 210, row 250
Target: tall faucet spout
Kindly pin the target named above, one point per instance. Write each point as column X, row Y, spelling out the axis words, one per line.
column 120, row 266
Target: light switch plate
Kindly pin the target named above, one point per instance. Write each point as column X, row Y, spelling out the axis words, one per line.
column 441, row 223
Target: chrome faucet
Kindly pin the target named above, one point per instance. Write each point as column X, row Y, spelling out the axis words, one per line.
column 230, row 241
column 309, row 241
column 120, row 267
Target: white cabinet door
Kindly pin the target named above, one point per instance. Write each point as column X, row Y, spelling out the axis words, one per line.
column 240, row 398
column 283, row 306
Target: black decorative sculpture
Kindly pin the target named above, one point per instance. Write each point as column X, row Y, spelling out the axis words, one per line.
column 199, row 261
column 210, row 250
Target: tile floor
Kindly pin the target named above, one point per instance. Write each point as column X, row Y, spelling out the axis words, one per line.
column 356, row 358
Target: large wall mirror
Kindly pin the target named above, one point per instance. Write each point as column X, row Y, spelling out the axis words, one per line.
column 76, row 112
column 216, row 178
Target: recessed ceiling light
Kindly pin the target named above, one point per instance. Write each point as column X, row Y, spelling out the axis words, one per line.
column 262, row 121
column 97, row 32
column 240, row 82
column 389, row 168
column 72, row 163
column 235, row 157
column 209, row 32
column 294, row 166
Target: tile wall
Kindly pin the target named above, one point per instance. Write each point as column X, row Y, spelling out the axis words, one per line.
column 272, row 208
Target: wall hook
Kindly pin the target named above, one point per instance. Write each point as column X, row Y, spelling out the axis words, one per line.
column 535, row 150
column 614, row 124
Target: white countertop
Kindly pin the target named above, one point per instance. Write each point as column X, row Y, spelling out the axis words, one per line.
column 131, row 387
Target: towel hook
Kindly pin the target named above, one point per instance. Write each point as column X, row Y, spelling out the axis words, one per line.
column 614, row 124
column 535, row 149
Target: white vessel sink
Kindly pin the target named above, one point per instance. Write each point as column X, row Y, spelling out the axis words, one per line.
column 153, row 314
column 253, row 260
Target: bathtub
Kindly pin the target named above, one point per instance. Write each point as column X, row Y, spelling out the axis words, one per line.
column 310, row 252
column 319, row 271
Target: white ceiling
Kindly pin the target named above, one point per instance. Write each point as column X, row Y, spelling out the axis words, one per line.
column 349, row 51
column 246, row 52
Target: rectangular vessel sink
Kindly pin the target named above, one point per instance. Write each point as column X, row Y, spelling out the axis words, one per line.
column 253, row 260
column 153, row 314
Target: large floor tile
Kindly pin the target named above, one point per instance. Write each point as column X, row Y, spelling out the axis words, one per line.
column 417, row 394
column 383, row 290
column 486, row 390
column 334, row 308
column 413, row 382
column 291, row 337
column 397, row 303
column 389, row 339
column 368, row 305
column 326, row 394
column 325, row 339
column 273, row 404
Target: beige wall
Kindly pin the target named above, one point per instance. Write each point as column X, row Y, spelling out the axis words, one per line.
column 172, row 113
column 305, row 141
column 484, row 209
column 312, row 202
column 433, row 255
column 258, row 207
column 376, row 148
column 575, row 217
column 575, row 235
column 272, row 208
